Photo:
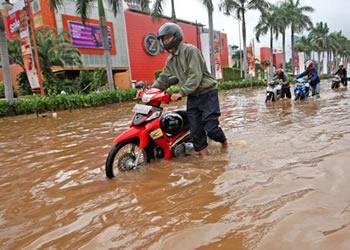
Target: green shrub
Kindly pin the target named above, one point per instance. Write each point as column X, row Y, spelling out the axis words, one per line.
column 240, row 84
column 24, row 86
column 92, row 80
column 2, row 90
column 57, row 84
column 231, row 74
column 38, row 104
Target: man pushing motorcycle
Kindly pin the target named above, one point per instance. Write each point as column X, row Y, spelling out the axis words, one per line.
column 341, row 72
column 313, row 78
column 285, row 88
column 186, row 62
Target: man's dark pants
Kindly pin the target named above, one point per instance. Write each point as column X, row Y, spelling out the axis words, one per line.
column 203, row 113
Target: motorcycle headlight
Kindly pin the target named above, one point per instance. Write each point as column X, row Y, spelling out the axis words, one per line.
column 146, row 98
column 154, row 116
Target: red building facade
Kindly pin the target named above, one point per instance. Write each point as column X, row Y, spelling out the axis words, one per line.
column 139, row 27
column 277, row 57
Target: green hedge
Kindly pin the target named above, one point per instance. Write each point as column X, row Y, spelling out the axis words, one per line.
column 38, row 104
column 231, row 74
column 2, row 90
column 241, row 84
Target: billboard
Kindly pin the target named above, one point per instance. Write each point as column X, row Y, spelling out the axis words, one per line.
column 87, row 35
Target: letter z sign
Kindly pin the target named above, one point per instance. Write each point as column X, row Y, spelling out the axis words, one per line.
column 151, row 44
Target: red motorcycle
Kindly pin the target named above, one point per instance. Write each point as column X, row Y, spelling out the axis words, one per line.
column 152, row 133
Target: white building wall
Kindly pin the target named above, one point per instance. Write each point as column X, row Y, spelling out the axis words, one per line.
column 121, row 58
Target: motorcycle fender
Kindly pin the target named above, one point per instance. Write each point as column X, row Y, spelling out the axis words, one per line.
column 134, row 132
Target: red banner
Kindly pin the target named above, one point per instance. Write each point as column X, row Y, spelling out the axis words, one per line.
column 13, row 25
column 27, row 53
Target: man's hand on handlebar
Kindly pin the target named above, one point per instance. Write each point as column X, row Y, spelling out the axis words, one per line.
column 175, row 97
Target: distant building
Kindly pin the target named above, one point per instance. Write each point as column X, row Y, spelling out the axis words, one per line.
column 265, row 57
column 135, row 52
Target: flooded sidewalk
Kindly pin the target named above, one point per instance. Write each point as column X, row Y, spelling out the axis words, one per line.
column 282, row 184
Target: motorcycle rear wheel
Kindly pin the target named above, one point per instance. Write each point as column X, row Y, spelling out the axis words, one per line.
column 123, row 157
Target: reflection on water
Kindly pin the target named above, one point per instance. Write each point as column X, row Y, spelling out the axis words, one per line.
column 282, row 184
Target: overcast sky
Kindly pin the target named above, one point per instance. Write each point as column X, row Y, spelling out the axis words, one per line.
column 334, row 12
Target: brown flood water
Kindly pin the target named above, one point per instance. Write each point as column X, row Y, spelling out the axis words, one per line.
column 282, row 184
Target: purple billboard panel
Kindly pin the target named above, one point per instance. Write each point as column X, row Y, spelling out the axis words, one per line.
column 88, row 35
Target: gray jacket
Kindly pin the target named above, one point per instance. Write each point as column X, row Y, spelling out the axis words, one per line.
column 188, row 65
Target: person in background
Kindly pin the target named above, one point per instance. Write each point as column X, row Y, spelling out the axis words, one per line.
column 285, row 87
column 341, row 72
column 313, row 78
column 186, row 62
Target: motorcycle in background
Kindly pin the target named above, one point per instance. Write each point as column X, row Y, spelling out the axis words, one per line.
column 335, row 82
column 273, row 91
column 152, row 133
column 301, row 89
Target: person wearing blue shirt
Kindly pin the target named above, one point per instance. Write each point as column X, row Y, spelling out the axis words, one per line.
column 313, row 78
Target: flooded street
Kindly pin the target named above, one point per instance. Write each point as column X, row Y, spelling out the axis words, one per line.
column 282, row 184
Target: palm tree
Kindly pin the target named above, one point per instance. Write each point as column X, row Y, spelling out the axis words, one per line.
column 239, row 9
column 5, row 62
column 282, row 23
column 339, row 46
column 157, row 10
column 82, row 8
column 53, row 50
column 210, row 8
column 268, row 23
column 142, row 5
column 319, row 38
column 299, row 21
column 303, row 44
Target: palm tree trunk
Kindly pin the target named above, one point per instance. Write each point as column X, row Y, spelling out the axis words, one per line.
column 329, row 61
column 244, row 34
column 319, row 61
column 284, row 50
column 5, row 63
column 292, row 47
column 105, row 41
column 211, row 42
column 271, row 56
column 173, row 16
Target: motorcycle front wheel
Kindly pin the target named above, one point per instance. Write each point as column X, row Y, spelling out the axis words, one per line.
column 125, row 156
column 269, row 97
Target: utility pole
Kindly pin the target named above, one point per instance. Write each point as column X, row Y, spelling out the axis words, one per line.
column 5, row 56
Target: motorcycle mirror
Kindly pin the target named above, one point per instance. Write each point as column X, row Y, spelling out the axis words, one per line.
column 173, row 80
column 140, row 85
column 170, row 80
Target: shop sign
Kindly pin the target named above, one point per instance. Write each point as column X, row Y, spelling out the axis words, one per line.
column 152, row 44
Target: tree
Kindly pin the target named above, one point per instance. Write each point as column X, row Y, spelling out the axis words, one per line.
column 5, row 62
column 239, row 8
column 268, row 23
column 319, row 38
column 303, row 44
column 53, row 50
column 82, row 8
column 157, row 10
column 142, row 5
column 283, row 17
column 299, row 21
column 210, row 8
